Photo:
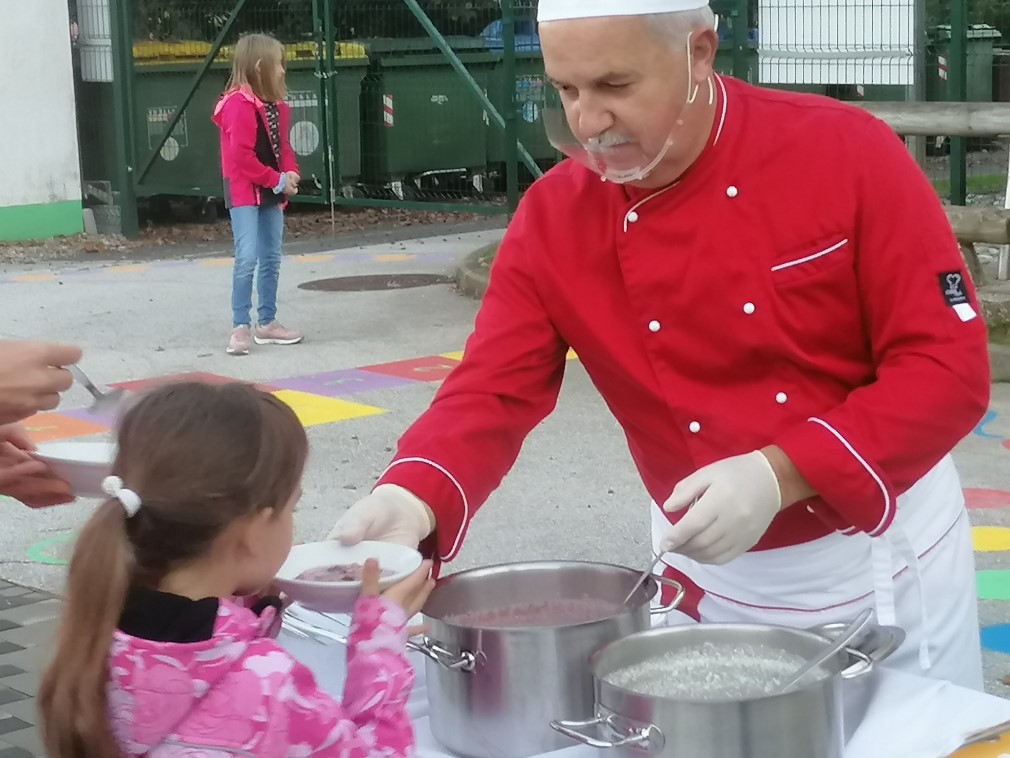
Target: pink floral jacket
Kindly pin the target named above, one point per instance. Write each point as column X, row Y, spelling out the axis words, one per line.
column 240, row 693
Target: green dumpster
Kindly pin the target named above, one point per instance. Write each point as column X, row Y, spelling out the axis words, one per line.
column 980, row 44
column 418, row 115
column 188, row 162
column 1001, row 75
column 306, row 122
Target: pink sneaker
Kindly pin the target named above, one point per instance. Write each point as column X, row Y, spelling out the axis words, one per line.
column 238, row 344
column 276, row 334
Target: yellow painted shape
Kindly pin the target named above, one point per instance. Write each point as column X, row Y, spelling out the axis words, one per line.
column 35, row 278
column 394, row 258
column 986, row 749
column 313, row 410
column 216, row 261
column 313, row 258
column 990, row 539
column 49, row 427
column 129, row 268
column 571, row 356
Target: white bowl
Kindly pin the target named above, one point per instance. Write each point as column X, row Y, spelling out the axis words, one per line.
column 339, row 597
column 83, row 465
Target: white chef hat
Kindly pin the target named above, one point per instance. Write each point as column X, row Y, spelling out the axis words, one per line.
column 559, row 10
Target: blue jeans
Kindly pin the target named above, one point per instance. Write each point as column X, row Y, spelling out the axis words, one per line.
column 258, row 232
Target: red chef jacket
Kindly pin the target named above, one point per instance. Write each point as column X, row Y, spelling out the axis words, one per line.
column 800, row 286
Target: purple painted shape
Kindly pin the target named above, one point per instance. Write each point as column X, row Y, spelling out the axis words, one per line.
column 337, row 383
column 106, row 419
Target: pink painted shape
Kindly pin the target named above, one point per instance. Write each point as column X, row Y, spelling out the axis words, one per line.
column 984, row 499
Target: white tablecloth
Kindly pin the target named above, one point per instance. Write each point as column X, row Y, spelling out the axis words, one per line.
column 909, row 716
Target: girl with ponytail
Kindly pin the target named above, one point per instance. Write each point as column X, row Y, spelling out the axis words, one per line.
column 156, row 656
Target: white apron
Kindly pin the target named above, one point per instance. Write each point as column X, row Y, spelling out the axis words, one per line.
column 919, row 575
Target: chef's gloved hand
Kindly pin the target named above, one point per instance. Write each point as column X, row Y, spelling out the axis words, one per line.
column 737, row 499
column 388, row 514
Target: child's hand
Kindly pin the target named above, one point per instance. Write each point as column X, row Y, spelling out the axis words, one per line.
column 291, row 183
column 410, row 594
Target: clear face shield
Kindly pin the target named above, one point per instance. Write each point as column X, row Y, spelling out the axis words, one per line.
column 615, row 156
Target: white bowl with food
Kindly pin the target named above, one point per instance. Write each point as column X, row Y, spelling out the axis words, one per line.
column 326, row 576
column 82, row 465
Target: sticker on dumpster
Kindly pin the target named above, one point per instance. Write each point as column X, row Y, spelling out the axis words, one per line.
column 157, row 123
column 302, row 99
column 170, row 150
column 304, row 137
column 530, row 95
column 439, row 99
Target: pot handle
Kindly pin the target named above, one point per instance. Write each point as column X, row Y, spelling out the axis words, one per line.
column 460, row 661
column 676, row 601
column 646, row 736
column 861, row 668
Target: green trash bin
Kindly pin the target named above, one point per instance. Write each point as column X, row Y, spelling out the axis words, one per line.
column 188, row 163
column 307, row 124
column 419, row 118
column 980, row 45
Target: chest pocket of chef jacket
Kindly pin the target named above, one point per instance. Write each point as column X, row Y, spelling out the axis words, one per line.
column 817, row 297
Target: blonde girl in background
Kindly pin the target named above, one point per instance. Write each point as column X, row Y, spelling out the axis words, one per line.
column 260, row 173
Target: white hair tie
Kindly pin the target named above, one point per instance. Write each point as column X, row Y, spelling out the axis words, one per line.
column 113, row 486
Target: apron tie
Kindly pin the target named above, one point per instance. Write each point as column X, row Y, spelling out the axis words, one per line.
column 882, row 549
column 907, row 552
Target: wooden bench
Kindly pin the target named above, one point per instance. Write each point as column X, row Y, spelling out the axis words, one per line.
column 986, row 226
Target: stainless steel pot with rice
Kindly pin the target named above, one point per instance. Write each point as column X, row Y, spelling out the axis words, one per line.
column 704, row 690
column 508, row 649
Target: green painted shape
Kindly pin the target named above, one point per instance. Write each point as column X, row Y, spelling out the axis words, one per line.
column 993, row 584
column 39, row 552
column 41, row 221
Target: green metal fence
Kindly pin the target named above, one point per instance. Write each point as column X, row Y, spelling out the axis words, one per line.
column 895, row 50
column 437, row 104
column 432, row 104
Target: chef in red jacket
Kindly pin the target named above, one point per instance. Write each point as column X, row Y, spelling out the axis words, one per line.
column 766, row 292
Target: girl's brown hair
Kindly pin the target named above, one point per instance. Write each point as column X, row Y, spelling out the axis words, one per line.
column 252, row 67
column 200, row 457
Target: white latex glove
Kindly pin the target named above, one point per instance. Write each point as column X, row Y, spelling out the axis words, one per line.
column 388, row 514
column 737, row 499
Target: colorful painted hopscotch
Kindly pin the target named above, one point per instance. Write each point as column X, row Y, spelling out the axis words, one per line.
column 316, row 398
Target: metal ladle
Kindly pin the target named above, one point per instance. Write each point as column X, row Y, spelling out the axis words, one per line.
column 104, row 401
column 843, row 639
column 652, row 567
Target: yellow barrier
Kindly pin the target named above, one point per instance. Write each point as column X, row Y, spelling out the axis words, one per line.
column 149, row 52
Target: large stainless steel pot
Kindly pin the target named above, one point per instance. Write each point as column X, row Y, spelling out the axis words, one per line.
column 492, row 692
column 803, row 723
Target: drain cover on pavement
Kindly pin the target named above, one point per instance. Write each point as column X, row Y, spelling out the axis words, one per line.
column 375, row 282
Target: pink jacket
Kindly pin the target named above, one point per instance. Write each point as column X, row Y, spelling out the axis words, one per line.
column 248, row 164
column 241, row 693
